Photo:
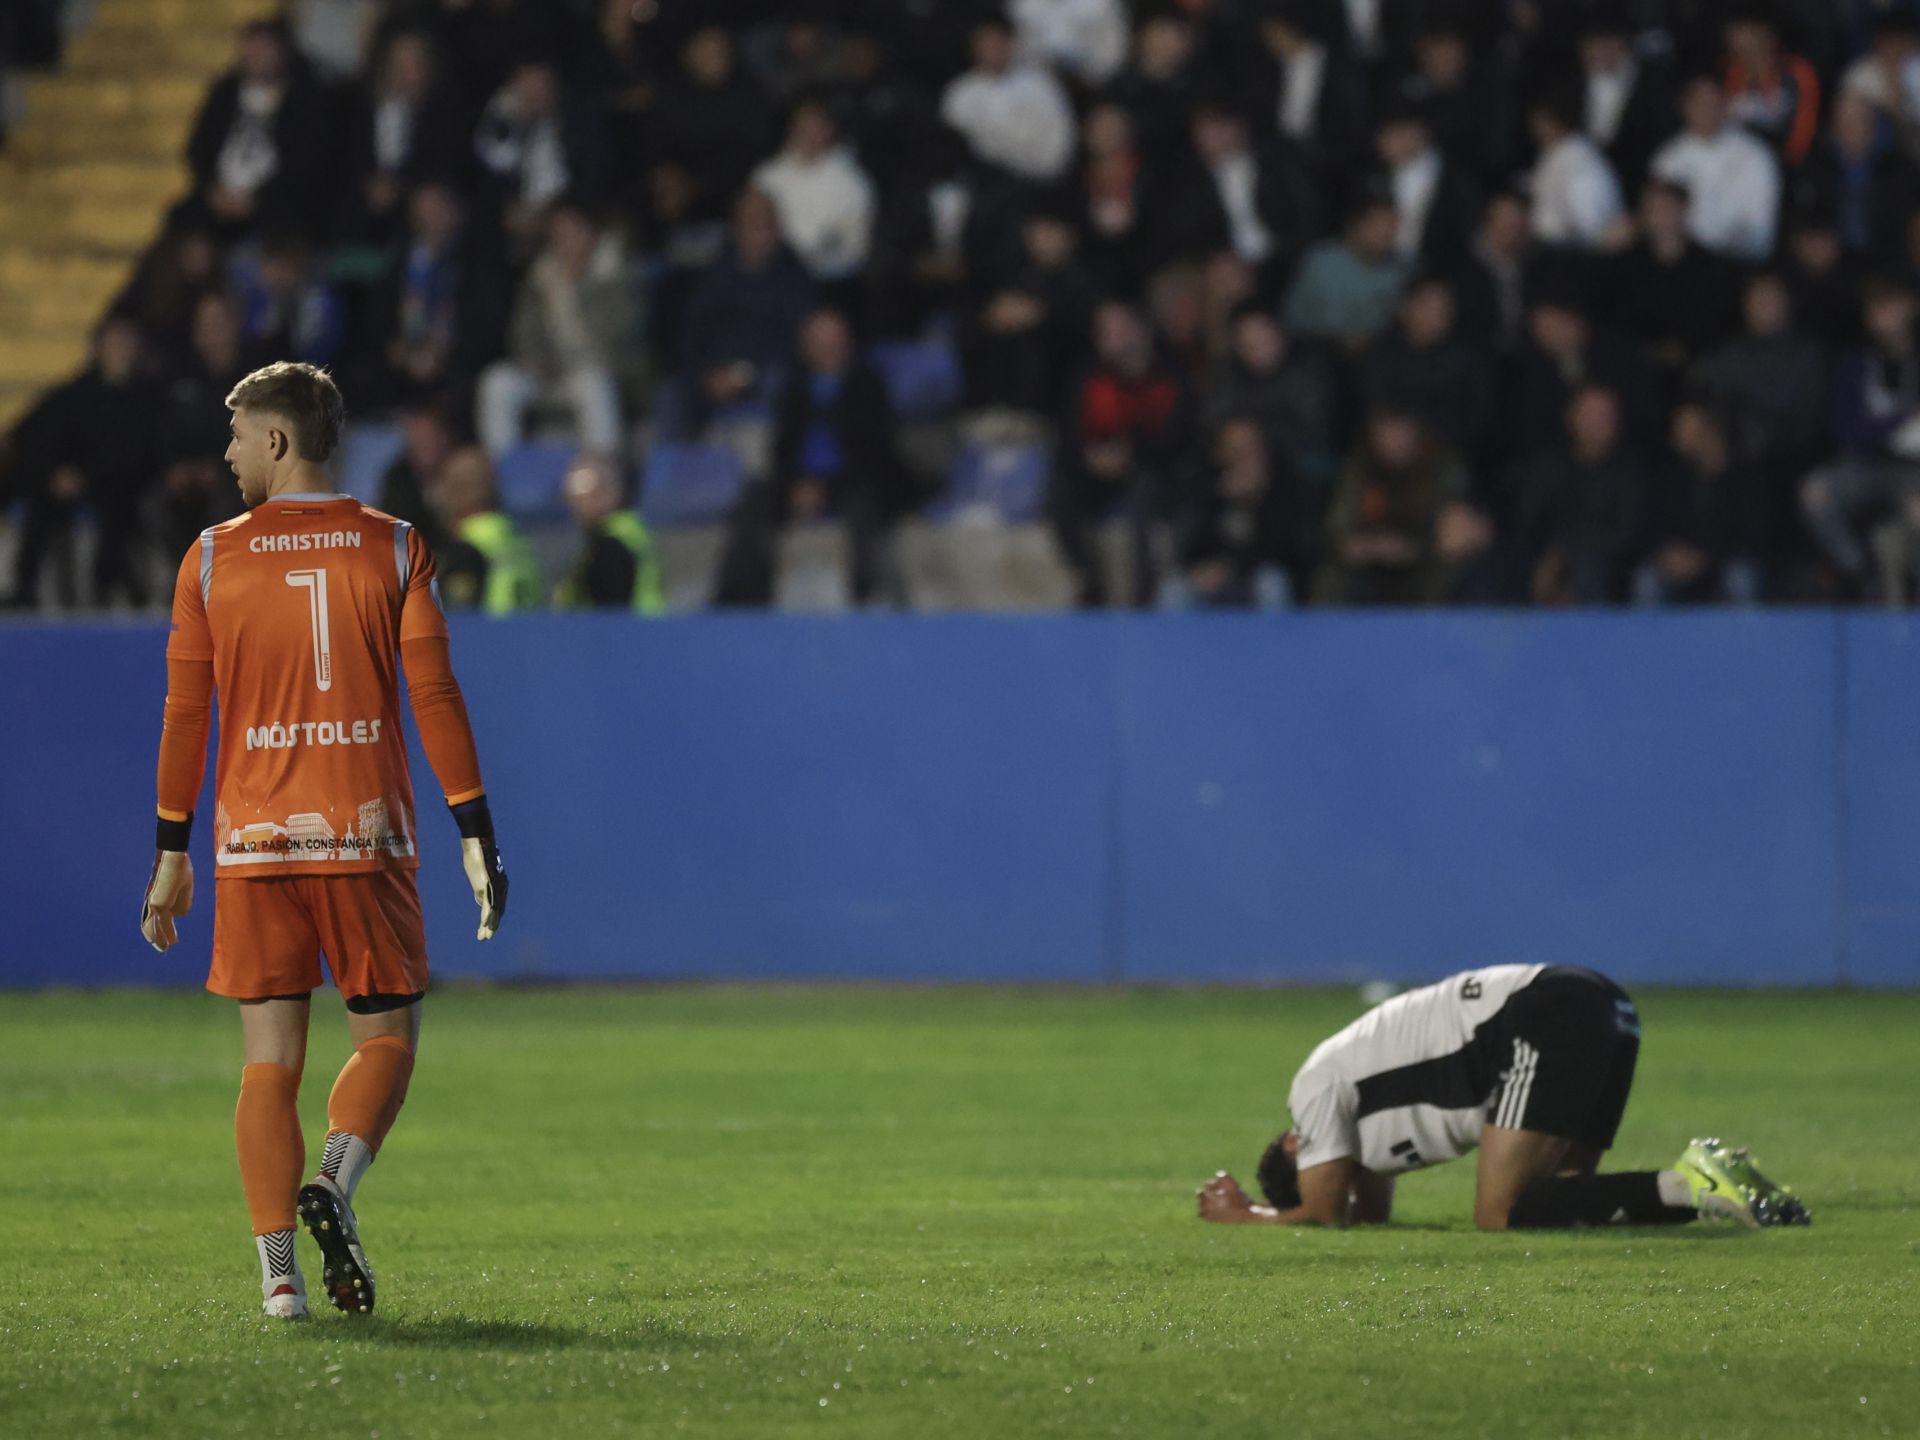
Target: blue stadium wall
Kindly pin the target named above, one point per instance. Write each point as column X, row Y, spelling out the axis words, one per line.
column 1717, row 798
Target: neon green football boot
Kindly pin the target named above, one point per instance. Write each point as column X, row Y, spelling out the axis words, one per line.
column 1726, row 1184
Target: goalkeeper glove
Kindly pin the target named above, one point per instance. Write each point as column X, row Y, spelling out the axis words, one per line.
column 480, row 856
column 170, row 885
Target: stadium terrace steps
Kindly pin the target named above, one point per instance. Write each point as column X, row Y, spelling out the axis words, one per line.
column 69, row 99
column 983, row 566
column 90, row 170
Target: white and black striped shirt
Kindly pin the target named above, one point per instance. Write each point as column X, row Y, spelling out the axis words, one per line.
column 1407, row 1084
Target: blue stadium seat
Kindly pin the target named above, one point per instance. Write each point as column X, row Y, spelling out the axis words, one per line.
column 690, row 484
column 366, row 451
column 532, row 478
column 1009, row 480
column 922, row 376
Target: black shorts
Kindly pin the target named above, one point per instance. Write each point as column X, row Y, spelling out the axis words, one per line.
column 1576, row 1037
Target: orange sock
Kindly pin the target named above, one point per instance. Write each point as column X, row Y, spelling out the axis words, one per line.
column 266, row 1132
column 367, row 1097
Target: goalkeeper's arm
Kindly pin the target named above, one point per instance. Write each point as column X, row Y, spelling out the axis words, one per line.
column 440, row 712
column 183, row 761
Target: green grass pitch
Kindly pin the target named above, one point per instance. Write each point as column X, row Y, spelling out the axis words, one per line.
column 929, row 1213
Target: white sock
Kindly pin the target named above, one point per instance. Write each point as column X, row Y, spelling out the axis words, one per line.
column 1674, row 1190
column 345, row 1160
column 277, row 1263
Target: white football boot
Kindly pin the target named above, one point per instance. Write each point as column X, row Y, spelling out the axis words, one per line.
column 282, row 1285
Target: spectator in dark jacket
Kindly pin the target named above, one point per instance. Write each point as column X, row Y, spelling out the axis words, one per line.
column 1257, row 203
column 1120, row 453
column 442, row 312
column 833, row 460
column 883, row 108
column 1632, row 105
column 1491, row 283
column 198, row 489
column 287, row 309
column 403, row 128
column 1710, row 520
column 1310, row 90
column 1117, row 181
column 1564, row 351
column 1158, row 89
column 536, row 143
column 1424, row 368
column 740, row 323
column 1770, row 385
column 428, row 437
column 1823, row 279
column 1019, row 344
column 478, row 43
column 1291, row 386
column 1243, row 547
column 1665, row 290
column 1438, row 202
column 182, row 265
column 1468, row 99
column 1582, row 507
column 1857, row 174
column 93, row 441
column 1865, row 499
column 710, row 123
column 1403, row 526
column 257, row 145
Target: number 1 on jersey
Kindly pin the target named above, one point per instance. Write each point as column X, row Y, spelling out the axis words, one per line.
column 314, row 582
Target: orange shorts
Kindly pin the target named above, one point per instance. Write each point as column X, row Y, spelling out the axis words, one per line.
column 269, row 935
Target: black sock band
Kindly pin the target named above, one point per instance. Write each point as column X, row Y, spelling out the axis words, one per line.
column 1561, row 1202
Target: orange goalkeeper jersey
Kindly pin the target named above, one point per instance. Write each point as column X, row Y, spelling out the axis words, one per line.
column 302, row 608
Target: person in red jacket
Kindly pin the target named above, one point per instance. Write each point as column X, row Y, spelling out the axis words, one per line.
column 1771, row 92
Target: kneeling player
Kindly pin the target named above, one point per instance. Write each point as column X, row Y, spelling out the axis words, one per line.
column 300, row 613
column 1530, row 1063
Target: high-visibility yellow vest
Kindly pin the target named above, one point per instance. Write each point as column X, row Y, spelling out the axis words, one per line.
column 513, row 575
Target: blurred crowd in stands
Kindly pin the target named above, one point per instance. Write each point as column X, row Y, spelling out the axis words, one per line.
column 1302, row 301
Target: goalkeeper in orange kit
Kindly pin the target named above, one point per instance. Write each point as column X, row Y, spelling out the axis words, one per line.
column 301, row 613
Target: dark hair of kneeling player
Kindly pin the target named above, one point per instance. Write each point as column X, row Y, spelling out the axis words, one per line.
column 1279, row 1176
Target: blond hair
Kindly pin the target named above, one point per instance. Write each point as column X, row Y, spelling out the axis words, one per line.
column 305, row 397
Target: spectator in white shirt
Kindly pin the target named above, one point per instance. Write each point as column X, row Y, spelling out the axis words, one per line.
column 1887, row 77
column 1015, row 119
column 1088, row 38
column 1731, row 179
column 1576, row 198
column 823, row 198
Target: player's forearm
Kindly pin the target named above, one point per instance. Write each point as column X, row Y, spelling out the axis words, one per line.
column 440, row 713
column 1298, row 1215
column 183, row 745
column 1371, row 1199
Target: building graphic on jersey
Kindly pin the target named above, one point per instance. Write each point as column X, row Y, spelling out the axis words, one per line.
column 310, row 836
column 370, row 823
